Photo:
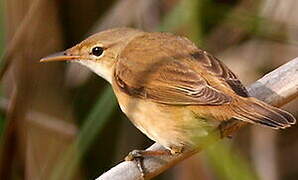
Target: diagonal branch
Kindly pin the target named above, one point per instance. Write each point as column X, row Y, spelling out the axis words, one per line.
column 17, row 38
column 276, row 88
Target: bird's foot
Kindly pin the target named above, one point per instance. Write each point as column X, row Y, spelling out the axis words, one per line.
column 139, row 155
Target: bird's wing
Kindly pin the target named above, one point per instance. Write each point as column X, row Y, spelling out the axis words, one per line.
column 171, row 70
column 216, row 68
column 173, row 83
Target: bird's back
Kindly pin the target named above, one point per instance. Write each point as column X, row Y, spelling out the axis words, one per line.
column 155, row 53
column 169, row 69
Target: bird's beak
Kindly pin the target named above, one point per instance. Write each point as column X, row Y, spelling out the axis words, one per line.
column 61, row 56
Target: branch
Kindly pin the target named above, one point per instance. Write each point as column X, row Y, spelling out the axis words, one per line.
column 276, row 88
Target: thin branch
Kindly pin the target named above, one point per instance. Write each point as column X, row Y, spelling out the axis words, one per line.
column 49, row 123
column 276, row 88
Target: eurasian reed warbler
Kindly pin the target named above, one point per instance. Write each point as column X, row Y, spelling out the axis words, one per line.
column 169, row 88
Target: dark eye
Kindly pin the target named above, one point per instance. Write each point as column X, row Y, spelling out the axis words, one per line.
column 97, row 51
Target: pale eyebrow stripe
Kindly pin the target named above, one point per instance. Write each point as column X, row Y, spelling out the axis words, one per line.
column 109, row 46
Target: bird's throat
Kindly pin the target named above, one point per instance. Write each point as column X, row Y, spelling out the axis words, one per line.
column 102, row 69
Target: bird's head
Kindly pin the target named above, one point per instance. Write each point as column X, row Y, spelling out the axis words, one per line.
column 99, row 52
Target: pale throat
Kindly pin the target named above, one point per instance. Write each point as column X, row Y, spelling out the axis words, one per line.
column 104, row 70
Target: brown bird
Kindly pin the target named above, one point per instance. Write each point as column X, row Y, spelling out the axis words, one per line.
column 169, row 88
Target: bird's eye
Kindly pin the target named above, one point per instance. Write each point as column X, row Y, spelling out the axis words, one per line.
column 97, row 51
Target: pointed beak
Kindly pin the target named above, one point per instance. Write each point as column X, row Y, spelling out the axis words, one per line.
column 60, row 56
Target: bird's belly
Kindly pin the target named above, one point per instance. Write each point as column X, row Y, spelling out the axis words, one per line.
column 170, row 126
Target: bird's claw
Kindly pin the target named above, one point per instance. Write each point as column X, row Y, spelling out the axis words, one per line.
column 133, row 154
column 136, row 155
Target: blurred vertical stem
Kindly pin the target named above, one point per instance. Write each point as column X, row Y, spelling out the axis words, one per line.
column 186, row 14
column 2, row 119
column 92, row 126
column 228, row 164
column 1, row 27
column 1, row 31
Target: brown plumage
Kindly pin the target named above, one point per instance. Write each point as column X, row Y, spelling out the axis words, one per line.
column 170, row 89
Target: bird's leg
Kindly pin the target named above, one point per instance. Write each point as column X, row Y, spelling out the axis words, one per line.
column 139, row 155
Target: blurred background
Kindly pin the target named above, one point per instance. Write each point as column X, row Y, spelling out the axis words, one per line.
column 60, row 121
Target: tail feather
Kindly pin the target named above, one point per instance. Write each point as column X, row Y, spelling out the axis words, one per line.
column 255, row 111
column 257, row 119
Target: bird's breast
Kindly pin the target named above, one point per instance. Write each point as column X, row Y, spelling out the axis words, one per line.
column 171, row 126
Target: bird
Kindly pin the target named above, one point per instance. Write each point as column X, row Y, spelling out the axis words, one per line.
column 170, row 89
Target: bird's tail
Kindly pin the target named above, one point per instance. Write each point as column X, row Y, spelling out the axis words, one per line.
column 256, row 111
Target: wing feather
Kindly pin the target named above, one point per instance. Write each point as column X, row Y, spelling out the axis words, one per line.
column 217, row 68
column 150, row 68
column 172, row 83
